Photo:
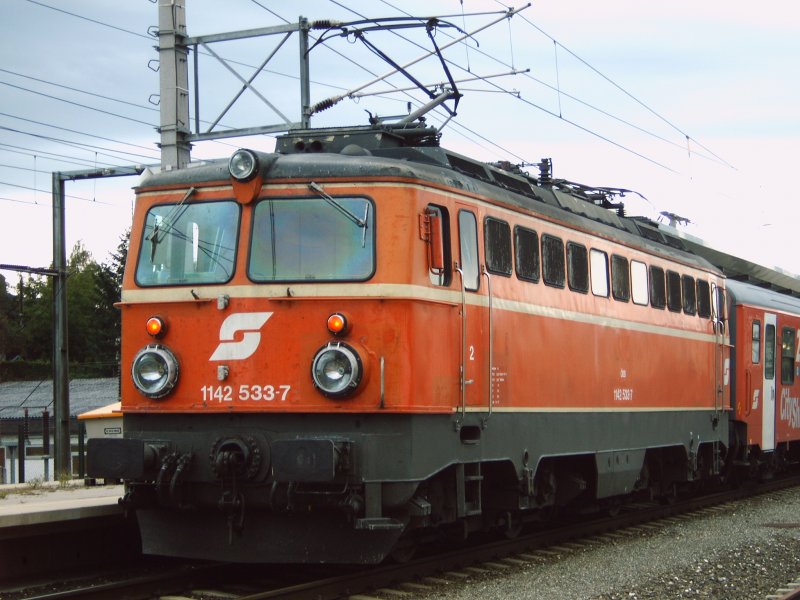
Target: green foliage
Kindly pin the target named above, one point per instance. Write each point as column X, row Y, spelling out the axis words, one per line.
column 26, row 319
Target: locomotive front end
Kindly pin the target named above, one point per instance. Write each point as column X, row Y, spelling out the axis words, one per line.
column 253, row 363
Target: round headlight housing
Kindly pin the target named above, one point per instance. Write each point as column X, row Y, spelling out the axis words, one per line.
column 336, row 370
column 155, row 371
column 243, row 165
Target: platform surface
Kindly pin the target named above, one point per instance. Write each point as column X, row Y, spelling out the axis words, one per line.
column 25, row 504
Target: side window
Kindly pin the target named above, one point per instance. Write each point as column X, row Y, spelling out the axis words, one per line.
column 497, row 238
column 658, row 292
column 620, row 278
column 526, row 243
column 769, row 351
column 639, row 282
column 577, row 267
column 468, row 243
column 553, row 261
column 689, row 295
column 674, row 301
column 703, row 299
column 756, row 346
column 787, row 356
column 439, row 260
column 598, row 263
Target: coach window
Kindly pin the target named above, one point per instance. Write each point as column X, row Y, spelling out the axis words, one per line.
column 553, row 261
column 598, row 262
column 703, row 299
column 526, row 243
column 787, row 356
column 639, row 282
column 769, row 351
column 620, row 278
column 674, row 301
column 439, row 260
column 497, row 237
column 468, row 238
column 689, row 295
column 577, row 267
column 658, row 291
column 756, row 346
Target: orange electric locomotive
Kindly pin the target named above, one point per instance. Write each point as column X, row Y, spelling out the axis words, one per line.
column 362, row 340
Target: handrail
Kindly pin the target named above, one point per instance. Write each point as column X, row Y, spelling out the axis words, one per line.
column 463, row 373
column 491, row 343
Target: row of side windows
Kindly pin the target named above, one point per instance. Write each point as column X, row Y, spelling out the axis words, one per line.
column 581, row 269
column 788, row 339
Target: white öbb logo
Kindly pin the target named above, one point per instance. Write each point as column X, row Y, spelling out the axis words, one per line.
column 250, row 324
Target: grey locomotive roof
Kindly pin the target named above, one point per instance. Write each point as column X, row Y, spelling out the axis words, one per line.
column 37, row 396
column 746, row 293
column 414, row 153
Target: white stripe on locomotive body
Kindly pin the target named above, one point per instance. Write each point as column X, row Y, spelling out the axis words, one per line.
column 394, row 291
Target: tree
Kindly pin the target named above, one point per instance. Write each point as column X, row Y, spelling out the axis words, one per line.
column 109, row 284
column 26, row 321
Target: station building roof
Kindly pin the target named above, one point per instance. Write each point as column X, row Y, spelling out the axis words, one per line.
column 37, row 396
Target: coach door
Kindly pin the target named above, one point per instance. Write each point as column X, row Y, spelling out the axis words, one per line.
column 768, row 412
column 472, row 345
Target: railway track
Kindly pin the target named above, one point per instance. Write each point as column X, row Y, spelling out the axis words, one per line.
column 477, row 557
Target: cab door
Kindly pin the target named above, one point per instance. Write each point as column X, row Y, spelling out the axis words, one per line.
column 768, row 412
column 468, row 270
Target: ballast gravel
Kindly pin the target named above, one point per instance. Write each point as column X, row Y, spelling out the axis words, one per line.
column 746, row 550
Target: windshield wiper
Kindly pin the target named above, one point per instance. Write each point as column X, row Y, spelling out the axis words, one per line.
column 314, row 186
column 173, row 216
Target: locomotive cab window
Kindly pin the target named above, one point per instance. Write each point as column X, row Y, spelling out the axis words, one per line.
column 658, row 290
column 577, row 267
column 526, row 243
column 188, row 243
column 312, row 239
column 468, row 243
column 620, row 278
column 497, row 236
column 553, row 261
column 438, row 232
column 787, row 355
column 639, row 282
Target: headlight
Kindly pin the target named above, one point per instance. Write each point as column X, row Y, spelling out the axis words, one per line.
column 243, row 165
column 155, row 371
column 336, row 370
